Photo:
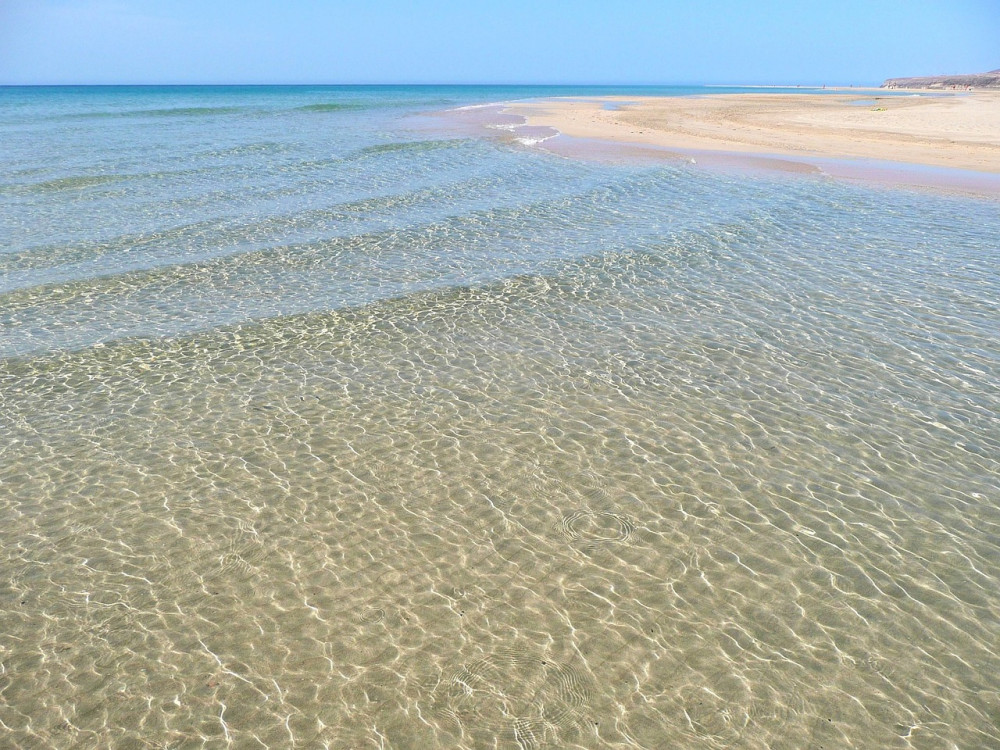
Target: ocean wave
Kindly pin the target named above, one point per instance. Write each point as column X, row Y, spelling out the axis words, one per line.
column 443, row 297
column 188, row 111
column 521, row 132
column 36, row 266
column 487, row 105
column 61, row 184
column 340, row 274
column 534, row 140
column 204, row 276
column 333, row 107
column 408, row 146
column 383, row 104
column 161, row 112
column 118, row 313
column 247, row 149
column 279, row 330
column 204, row 240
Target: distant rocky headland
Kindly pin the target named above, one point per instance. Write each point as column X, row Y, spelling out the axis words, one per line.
column 989, row 80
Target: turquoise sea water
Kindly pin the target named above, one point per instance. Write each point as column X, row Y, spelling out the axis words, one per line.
column 329, row 421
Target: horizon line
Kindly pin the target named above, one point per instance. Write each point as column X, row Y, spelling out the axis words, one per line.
column 450, row 84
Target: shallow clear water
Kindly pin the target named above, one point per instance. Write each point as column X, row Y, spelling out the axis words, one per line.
column 323, row 426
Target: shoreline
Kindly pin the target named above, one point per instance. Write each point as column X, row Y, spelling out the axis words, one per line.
column 923, row 140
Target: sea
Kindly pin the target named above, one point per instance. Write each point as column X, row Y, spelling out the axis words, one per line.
column 331, row 417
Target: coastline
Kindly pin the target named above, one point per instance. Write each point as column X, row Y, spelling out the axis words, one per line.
column 861, row 134
column 334, row 418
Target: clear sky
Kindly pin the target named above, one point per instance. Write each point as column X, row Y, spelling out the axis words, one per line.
column 488, row 41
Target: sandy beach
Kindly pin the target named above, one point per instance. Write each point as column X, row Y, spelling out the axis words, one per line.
column 956, row 131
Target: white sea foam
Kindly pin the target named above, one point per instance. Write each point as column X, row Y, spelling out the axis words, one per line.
column 534, row 141
column 468, row 107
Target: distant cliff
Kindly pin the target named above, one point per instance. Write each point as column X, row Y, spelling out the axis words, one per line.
column 989, row 80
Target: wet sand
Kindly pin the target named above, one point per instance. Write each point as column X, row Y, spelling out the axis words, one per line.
column 951, row 131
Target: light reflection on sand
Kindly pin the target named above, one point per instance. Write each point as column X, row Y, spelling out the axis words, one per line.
column 484, row 517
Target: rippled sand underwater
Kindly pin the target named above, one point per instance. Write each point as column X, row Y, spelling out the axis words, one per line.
column 657, row 458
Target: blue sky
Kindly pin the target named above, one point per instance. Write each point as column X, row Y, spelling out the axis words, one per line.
column 514, row 41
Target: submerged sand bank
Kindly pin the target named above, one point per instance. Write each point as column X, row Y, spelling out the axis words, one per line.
column 961, row 132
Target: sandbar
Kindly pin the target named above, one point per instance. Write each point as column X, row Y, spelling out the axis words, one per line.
column 960, row 131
